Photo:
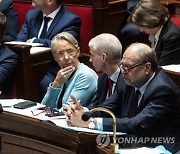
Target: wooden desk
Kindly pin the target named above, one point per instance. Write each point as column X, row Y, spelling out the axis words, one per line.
column 24, row 135
column 105, row 150
column 175, row 76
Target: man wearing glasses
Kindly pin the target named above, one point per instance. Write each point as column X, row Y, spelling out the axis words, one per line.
column 157, row 110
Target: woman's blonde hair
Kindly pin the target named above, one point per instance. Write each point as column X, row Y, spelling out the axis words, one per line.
column 64, row 36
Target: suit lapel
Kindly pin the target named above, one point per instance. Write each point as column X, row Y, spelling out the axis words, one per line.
column 104, row 90
column 144, row 99
column 127, row 104
column 55, row 21
column 163, row 32
column 39, row 21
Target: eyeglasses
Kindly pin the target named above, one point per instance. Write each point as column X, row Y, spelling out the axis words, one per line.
column 61, row 54
column 48, row 112
column 128, row 68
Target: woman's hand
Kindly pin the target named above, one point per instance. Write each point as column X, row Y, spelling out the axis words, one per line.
column 62, row 76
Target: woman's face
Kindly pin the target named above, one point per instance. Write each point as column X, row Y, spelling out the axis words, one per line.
column 65, row 54
column 149, row 31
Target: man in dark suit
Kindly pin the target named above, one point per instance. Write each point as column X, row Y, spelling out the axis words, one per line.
column 153, row 19
column 60, row 19
column 105, row 58
column 155, row 113
column 6, row 7
column 8, row 62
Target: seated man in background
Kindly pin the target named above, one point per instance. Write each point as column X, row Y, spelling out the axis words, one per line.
column 42, row 24
column 155, row 111
column 128, row 32
column 153, row 19
column 73, row 78
column 6, row 7
column 8, row 62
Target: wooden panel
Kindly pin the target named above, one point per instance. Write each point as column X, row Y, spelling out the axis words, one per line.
column 173, row 6
column 31, row 69
column 104, row 150
column 23, row 1
column 175, row 76
column 14, row 144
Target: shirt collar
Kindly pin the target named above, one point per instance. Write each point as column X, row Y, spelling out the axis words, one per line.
column 143, row 88
column 156, row 36
column 115, row 75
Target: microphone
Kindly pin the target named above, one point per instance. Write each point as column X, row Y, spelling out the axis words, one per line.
column 86, row 116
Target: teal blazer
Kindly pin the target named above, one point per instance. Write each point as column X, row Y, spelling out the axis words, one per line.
column 83, row 85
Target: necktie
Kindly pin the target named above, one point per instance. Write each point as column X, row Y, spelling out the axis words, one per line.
column 43, row 33
column 59, row 104
column 134, row 104
column 110, row 86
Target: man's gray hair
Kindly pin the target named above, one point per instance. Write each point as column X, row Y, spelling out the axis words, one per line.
column 109, row 44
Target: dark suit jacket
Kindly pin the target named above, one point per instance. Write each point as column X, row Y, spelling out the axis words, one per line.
column 8, row 63
column 65, row 20
column 158, row 113
column 168, row 46
column 102, row 89
column 108, row 103
column 6, row 7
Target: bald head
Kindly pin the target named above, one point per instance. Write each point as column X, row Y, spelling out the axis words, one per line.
column 141, row 53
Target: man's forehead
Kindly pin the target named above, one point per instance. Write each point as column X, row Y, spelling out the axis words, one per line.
column 127, row 58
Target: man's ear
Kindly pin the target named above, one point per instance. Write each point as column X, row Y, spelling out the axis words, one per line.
column 147, row 67
column 104, row 56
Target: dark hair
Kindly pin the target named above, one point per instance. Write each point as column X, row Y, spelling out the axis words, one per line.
column 149, row 13
column 3, row 26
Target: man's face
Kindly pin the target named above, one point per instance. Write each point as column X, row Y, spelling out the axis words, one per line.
column 96, row 60
column 66, row 54
column 133, row 71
